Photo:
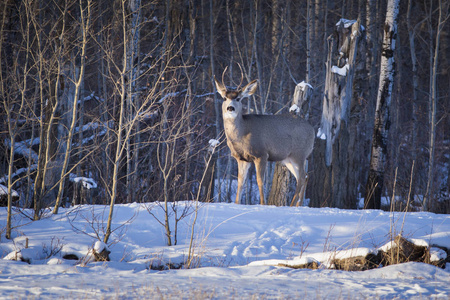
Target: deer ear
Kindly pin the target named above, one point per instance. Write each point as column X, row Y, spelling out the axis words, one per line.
column 220, row 88
column 249, row 89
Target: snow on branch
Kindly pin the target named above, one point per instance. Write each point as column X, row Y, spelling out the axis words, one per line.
column 92, row 126
column 175, row 94
column 87, row 183
column 169, row 95
column 213, row 143
column 203, row 95
column 24, row 149
column 90, row 97
column 88, row 126
column 4, row 178
column 4, row 191
column 148, row 115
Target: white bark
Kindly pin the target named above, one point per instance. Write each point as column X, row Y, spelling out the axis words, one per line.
column 381, row 130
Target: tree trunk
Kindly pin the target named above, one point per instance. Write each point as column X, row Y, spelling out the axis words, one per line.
column 443, row 16
column 374, row 186
column 279, row 192
column 309, row 39
column 340, row 188
column 372, row 51
column 216, row 158
column 415, row 111
column 132, row 151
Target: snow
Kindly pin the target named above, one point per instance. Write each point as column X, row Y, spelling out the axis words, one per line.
column 213, row 143
column 240, row 252
column 99, row 246
column 4, row 191
column 32, row 167
column 340, row 71
column 87, row 183
column 437, row 254
column 90, row 97
column 346, row 23
column 321, row 135
column 169, row 95
column 324, row 258
column 23, row 148
column 303, row 85
column 294, row 108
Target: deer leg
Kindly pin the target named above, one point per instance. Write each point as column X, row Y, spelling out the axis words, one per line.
column 295, row 169
column 243, row 167
column 301, row 194
column 260, row 166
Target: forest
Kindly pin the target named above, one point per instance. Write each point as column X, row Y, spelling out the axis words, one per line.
column 106, row 102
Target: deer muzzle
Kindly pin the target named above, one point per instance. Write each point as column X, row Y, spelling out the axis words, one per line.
column 230, row 108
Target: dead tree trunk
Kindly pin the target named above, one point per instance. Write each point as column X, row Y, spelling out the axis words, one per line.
column 338, row 188
column 374, row 184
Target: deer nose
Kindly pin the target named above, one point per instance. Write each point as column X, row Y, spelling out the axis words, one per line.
column 230, row 108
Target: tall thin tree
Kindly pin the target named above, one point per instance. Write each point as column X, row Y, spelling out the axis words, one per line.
column 378, row 154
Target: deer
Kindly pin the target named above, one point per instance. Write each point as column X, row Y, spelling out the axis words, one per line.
column 259, row 139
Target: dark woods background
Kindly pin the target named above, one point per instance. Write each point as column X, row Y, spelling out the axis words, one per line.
column 113, row 101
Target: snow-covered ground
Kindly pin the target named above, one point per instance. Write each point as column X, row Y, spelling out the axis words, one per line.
column 237, row 250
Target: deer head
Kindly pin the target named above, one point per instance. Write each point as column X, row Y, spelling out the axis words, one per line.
column 232, row 105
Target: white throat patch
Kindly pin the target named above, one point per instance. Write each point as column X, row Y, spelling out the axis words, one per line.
column 230, row 115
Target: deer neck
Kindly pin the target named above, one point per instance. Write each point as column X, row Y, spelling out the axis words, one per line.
column 234, row 127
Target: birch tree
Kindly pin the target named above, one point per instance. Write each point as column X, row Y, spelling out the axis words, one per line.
column 374, row 186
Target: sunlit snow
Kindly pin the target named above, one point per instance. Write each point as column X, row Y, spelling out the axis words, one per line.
column 238, row 251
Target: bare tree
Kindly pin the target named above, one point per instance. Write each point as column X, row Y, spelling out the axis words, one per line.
column 125, row 122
